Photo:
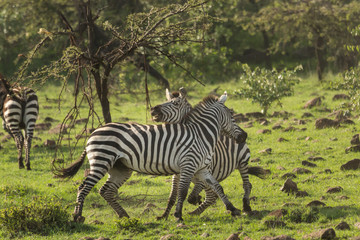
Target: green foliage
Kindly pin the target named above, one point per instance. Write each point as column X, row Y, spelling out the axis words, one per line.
column 267, row 86
column 130, row 224
column 299, row 215
column 40, row 216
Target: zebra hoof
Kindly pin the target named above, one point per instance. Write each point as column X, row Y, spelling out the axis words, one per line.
column 236, row 212
column 79, row 219
column 161, row 217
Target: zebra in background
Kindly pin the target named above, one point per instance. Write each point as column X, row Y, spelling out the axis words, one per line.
column 228, row 156
column 184, row 149
column 19, row 109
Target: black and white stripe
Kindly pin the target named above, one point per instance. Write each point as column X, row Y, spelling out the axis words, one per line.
column 184, row 149
column 228, row 156
column 19, row 110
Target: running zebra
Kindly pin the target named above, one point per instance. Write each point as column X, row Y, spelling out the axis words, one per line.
column 19, row 110
column 185, row 149
column 228, row 156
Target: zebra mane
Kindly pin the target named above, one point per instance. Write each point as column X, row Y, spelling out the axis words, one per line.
column 211, row 99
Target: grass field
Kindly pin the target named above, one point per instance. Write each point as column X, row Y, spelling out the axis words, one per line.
column 145, row 197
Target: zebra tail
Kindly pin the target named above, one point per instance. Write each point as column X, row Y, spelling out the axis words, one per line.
column 70, row 171
column 259, row 172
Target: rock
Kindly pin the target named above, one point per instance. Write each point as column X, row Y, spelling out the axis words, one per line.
column 234, row 236
column 274, row 223
column 351, row 165
column 316, row 203
column 268, row 151
column 264, row 122
column 353, row 148
column 280, row 237
column 307, row 115
column 322, row 123
column 288, row 175
column 50, row 143
column 263, row 131
column 6, row 138
column 334, row 189
column 308, row 164
column 282, row 114
column 327, row 170
column 342, row 226
column 58, row 129
column 205, row 235
column 301, row 170
column 302, row 194
column 42, row 126
column 327, row 233
column 340, row 115
column 282, row 140
column 289, row 129
column 313, row 102
column 340, row 96
column 355, row 140
column 168, row 237
column 49, row 119
column 254, row 115
column 357, row 225
column 289, row 186
column 278, row 213
column 277, row 126
column 240, row 118
column 315, row 158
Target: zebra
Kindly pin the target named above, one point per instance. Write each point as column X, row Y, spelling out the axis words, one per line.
column 185, row 149
column 19, row 109
column 228, row 156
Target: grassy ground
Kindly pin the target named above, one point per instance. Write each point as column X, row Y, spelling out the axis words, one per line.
column 145, row 197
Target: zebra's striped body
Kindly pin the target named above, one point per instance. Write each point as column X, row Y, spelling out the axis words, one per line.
column 228, row 156
column 184, row 149
column 19, row 110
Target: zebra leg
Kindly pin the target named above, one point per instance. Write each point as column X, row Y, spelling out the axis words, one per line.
column 205, row 176
column 27, row 151
column 210, row 199
column 243, row 169
column 19, row 140
column 172, row 197
column 94, row 177
column 117, row 177
column 186, row 174
column 194, row 197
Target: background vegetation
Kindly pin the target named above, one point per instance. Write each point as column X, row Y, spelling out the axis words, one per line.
column 93, row 62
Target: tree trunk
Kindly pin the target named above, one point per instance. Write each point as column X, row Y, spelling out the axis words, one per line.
column 268, row 63
column 320, row 57
column 102, row 90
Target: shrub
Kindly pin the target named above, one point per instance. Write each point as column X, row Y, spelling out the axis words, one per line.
column 265, row 86
column 299, row 215
column 130, row 224
column 40, row 216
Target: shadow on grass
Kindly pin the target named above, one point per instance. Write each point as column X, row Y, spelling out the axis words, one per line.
column 338, row 212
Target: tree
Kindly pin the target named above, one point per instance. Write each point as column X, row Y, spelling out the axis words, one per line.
column 265, row 86
column 320, row 24
column 96, row 47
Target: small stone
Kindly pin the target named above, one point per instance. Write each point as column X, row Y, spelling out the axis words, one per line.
column 278, row 213
column 334, row 189
column 289, row 186
column 301, row 194
column 351, row 165
column 263, row 131
column 308, row 164
column 342, row 226
column 355, row 140
column 233, row 236
column 282, row 140
column 315, row 203
column 267, row 151
column 288, row 175
column 301, row 170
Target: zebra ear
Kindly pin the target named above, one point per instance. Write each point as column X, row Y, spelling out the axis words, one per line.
column 169, row 96
column 223, row 97
column 182, row 92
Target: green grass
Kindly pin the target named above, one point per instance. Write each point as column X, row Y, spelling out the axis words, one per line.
column 20, row 186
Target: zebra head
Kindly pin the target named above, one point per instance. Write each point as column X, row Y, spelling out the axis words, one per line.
column 174, row 110
column 229, row 127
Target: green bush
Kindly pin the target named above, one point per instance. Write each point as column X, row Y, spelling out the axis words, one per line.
column 130, row 224
column 299, row 215
column 265, row 86
column 40, row 216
